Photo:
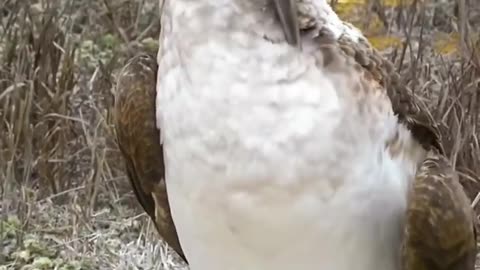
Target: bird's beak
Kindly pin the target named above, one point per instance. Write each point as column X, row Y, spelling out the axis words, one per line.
column 287, row 13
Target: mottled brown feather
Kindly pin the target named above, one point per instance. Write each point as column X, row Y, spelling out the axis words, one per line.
column 139, row 141
column 439, row 231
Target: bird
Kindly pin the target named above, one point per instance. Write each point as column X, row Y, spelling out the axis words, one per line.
column 269, row 134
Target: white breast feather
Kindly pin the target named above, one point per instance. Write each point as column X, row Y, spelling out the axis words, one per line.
column 271, row 163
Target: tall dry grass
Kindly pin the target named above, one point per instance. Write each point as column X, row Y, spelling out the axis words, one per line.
column 64, row 196
column 63, row 188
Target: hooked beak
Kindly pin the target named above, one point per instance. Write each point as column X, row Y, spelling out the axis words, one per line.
column 287, row 13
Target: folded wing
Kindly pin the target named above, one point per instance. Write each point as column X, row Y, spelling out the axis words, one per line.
column 139, row 142
column 439, row 231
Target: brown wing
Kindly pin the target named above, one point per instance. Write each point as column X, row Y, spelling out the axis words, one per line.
column 440, row 231
column 139, row 142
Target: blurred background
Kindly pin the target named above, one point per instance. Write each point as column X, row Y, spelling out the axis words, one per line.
column 65, row 202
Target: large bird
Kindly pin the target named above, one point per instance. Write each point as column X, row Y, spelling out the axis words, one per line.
column 271, row 135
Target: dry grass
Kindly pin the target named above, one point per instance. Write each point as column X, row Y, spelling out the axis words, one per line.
column 65, row 201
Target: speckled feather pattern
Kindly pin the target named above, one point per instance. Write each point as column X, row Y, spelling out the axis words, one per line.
column 439, row 228
column 325, row 144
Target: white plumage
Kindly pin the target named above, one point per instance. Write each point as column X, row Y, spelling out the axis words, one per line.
column 275, row 159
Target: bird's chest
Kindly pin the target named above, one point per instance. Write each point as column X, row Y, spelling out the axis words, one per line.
column 270, row 174
column 232, row 118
